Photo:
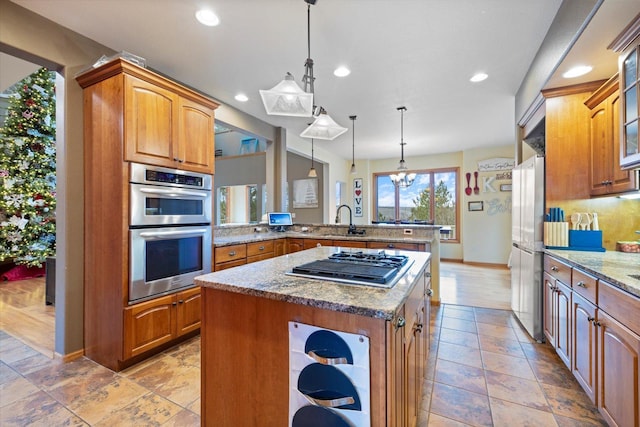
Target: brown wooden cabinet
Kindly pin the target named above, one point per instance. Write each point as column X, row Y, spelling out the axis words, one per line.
column 403, row 246
column 557, row 308
column 584, row 317
column 619, row 370
column 159, row 321
column 628, row 45
column 350, row 244
column 133, row 114
column 607, row 177
column 294, row 245
column 279, row 247
column 605, row 341
column 257, row 251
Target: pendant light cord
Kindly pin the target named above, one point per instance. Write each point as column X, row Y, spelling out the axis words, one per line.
column 402, row 109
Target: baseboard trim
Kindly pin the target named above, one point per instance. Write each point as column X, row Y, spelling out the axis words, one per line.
column 69, row 357
column 478, row 264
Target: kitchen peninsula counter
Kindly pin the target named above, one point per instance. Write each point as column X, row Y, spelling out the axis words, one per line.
column 247, row 315
column 613, row 267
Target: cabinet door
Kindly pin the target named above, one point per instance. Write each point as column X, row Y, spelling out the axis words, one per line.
column 619, row 370
column 195, row 140
column 622, row 180
column 148, row 325
column 397, row 372
column 279, row 247
column 312, row 243
column 584, row 344
column 150, row 130
column 188, row 311
column 549, row 291
column 563, row 339
column 394, row 245
column 350, row 243
column 601, row 150
column 294, row 245
column 412, row 380
column 629, row 88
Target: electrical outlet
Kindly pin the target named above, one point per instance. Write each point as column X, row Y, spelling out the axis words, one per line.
column 408, row 231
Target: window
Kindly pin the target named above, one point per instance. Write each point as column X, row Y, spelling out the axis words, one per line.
column 432, row 197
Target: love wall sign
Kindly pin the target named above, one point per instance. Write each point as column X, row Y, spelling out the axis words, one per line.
column 357, row 197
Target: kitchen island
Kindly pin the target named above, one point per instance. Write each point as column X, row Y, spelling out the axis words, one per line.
column 247, row 313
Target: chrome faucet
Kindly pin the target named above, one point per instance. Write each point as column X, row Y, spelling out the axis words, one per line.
column 352, row 228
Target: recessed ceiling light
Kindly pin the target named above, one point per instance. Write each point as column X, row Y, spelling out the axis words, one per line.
column 241, row 97
column 578, row 71
column 207, row 17
column 478, row 77
column 341, row 71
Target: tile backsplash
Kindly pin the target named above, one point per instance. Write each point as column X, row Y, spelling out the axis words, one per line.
column 618, row 218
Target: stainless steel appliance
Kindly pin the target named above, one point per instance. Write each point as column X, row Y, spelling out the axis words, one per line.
column 361, row 268
column 527, row 244
column 169, row 230
column 162, row 196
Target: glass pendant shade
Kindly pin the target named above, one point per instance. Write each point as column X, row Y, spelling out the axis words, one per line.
column 324, row 127
column 287, row 99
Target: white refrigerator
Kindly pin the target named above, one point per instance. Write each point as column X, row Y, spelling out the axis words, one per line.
column 527, row 224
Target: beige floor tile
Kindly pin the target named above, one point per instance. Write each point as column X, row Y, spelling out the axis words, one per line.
column 184, row 418
column 553, row 373
column 101, row 403
column 501, row 345
column 461, row 405
column 466, row 377
column 16, row 389
column 68, row 390
column 516, row 390
column 196, row 407
column 452, row 336
column 508, row 414
column 572, row 422
column 507, row 365
column 34, row 363
column 460, row 354
column 459, row 324
column 454, row 312
column 53, row 374
column 36, row 406
column 13, row 350
column 571, row 403
column 505, row 332
column 436, row 420
column 7, row 373
column 148, row 410
column 494, row 318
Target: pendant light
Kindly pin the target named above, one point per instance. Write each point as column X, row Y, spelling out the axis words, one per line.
column 287, row 98
column 324, row 127
column 353, row 145
column 402, row 178
column 312, row 172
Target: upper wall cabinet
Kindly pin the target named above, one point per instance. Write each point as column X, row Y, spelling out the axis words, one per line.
column 607, row 177
column 628, row 43
column 164, row 123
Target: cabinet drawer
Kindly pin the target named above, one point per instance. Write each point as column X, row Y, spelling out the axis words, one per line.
column 350, row 243
column 585, row 285
column 312, row 243
column 259, row 257
column 225, row 265
column 558, row 269
column 620, row 304
column 259, row 248
column 393, row 245
column 230, row 253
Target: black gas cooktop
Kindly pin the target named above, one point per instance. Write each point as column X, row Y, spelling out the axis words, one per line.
column 378, row 269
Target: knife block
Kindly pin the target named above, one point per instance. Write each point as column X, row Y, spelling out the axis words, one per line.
column 556, row 234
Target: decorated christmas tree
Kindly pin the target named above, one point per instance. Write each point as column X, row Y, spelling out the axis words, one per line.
column 28, row 172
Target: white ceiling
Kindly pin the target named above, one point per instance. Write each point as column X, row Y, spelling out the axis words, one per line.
column 414, row 53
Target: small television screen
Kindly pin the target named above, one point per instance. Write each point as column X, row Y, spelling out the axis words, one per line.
column 278, row 219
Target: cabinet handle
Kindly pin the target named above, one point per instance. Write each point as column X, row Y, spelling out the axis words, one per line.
column 590, row 319
column 391, row 246
column 400, row 322
column 261, row 248
column 180, row 301
column 327, row 360
column 418, row 328
column 554, row 268
column 333, row 403
column 232, row 253
column 429, row 292
column 597, row 323
column 174, row 303
column 581, row 284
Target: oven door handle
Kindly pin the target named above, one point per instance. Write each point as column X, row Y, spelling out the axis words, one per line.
column 196, row 232
column 173, row 192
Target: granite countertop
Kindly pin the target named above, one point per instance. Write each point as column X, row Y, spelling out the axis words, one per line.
column 272, row 235
column 611, row 266
column 268, row 279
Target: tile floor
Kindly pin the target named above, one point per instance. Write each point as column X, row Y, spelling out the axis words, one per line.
column 483, row 370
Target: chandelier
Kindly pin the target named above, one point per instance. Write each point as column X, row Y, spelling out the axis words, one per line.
column 288, row 99
column 402, row 178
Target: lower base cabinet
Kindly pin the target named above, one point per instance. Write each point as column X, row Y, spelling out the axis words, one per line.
column 159, row 321
column 584, row 344
column 619, row 366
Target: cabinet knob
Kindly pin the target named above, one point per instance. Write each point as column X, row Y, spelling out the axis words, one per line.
column 597, row 323
column 174, row 303
column 400, row 322
column 180, row 301
column 391, row 246
column 429, row 292
column 232, row 253
column 554, row 268
column 581, row 284
column 261, row 248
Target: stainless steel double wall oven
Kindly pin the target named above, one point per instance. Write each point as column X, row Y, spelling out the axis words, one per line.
column 169, row 230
